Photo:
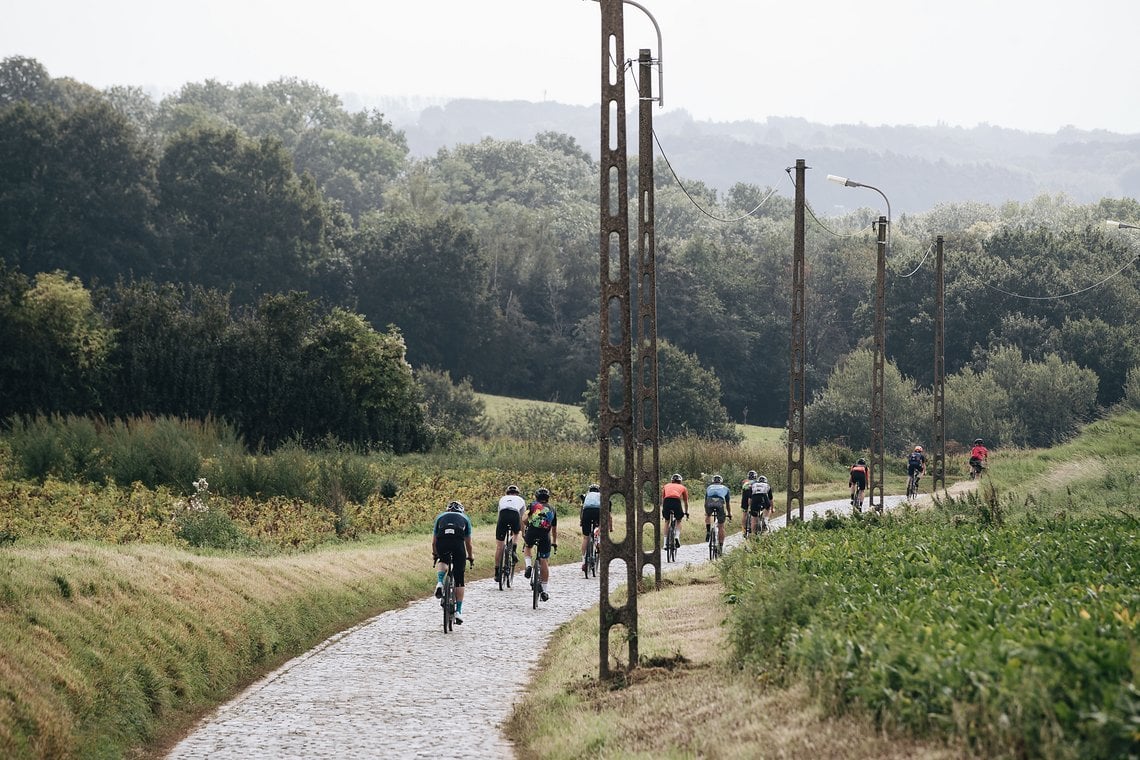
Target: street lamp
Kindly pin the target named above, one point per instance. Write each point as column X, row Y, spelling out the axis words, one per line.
column 878, row 426
column 1121, row 225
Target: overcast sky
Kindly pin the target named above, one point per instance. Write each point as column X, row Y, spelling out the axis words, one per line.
column 1028, row 64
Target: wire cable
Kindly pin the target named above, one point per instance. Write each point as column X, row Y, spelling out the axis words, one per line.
column 629, row 68
column 1064, row 295
column 817, row 219
column 925, row 256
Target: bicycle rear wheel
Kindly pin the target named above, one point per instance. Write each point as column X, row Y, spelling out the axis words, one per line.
column 508, row 571
column 535, row 585
column 448, row 601
column 594, row 564
column 670, row 548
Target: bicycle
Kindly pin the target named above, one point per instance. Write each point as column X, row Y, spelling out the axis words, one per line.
column 912, row 484
column 509, row 561
column 592, row 547
column 976, row 467
column 670, row 542
column 714, row 546
column 447, row 601
column 536, row 575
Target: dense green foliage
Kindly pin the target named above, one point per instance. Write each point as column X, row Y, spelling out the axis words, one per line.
column 485, row 255
column 1007, row 618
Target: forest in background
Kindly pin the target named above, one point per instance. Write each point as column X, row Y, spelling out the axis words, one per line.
column 205, row 210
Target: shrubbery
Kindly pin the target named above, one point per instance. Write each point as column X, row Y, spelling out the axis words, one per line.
column 1017, row 635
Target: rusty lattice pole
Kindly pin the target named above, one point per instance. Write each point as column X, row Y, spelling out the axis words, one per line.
column 878, row 454
column 615, row 381
column 796, row 382
column 939, row 370
column 645, row 412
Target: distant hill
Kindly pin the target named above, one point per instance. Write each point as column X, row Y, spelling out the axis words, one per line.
column 917, row 167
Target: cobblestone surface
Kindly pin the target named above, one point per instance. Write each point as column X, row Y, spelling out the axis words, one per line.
column 387, row 687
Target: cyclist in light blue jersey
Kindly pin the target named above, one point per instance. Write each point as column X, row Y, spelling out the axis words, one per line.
column 717, row 502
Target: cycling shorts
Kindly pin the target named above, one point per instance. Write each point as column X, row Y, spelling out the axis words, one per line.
column 911, row 470
column 859, row 481
column 508, row 519
column 757, row 505
column 717, row 510
column 591, row 518
column 540, row 538
column 458, row 552
column 672, row 506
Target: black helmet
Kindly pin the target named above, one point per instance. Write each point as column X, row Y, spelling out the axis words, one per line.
column 455, row 506
column 676, row 477
column 861, row 461
column 752, row 474
column 717, row 478
column 512, row 489
column 977, row 441
column 594, row 488
column 542, row 494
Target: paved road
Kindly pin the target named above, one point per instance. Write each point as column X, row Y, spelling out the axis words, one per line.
column 377, row 689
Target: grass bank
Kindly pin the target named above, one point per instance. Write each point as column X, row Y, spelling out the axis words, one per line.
column 688, row 700
column 105, row 649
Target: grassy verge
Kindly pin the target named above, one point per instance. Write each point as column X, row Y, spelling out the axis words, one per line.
column 104, row 649
column 688, row 700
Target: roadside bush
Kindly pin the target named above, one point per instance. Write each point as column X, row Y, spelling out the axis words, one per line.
column 1016, row 635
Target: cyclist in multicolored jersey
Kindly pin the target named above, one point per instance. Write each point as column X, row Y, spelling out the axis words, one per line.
column 857, row 482
column 717, row 502
column 759, row 502
column 541, row 530
column 511, row 508
column 451, row 538
column 591, row 516
column 673, row 495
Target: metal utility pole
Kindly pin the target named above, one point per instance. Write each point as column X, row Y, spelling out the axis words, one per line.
column 615, row 378
column 939, row 370
column 646, row 408
column 877, row 379
column 796, row 383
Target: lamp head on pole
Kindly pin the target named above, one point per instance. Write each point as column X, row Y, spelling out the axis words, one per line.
column 842, row 180
column 1121, row 225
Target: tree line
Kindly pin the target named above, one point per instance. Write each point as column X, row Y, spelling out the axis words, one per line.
column 483, row 259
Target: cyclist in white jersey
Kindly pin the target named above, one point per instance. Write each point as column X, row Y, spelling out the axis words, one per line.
column 511, row 508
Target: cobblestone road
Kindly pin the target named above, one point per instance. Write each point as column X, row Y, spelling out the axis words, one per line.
column 377, row 689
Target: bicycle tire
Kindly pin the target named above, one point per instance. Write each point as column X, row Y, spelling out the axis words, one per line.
column 594, row 566
column 448, row 602
column 670, row 549
column 535, row 585
column 508, row 562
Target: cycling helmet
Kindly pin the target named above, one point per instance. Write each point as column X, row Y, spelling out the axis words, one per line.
column 977, row 441
column 862, row 461
column 455, row 506
column 717, row 478
column 594, row 488
column 542, row 494
column 918, row 449
column 762, row 479
column 677, row 477
column 512, row 489
column 752, row 474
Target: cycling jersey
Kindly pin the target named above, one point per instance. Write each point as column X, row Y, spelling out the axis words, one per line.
column 760, row 498
column 916, row 462
column 980, row 453
column 512, row 501
column 858, row 476
column 592, row 499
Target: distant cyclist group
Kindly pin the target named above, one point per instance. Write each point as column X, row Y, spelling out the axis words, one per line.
column 537, row 522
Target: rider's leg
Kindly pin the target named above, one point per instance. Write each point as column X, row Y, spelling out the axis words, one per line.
column 720, row 532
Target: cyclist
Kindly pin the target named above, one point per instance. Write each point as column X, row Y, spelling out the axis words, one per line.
column 857, row 482
column 541, row 531
column 717, row 502
column 759, row 502
column 979, row 457
column 673, row 495
column 591, row 516
column 451, row 537
column 511, row 508
column 916, row 463
column 745, row 495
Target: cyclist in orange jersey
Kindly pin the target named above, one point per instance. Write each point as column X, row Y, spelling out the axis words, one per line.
column 673, row 495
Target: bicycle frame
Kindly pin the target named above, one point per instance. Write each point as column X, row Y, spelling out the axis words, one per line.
column 448, row 601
